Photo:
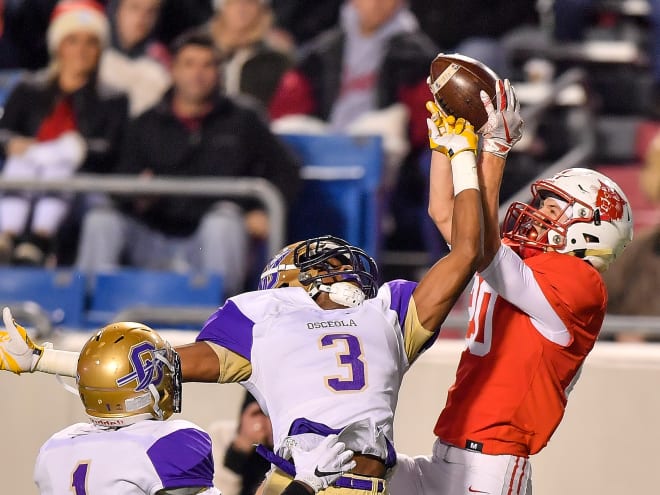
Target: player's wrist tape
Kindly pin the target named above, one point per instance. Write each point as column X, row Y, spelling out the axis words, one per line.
column 311, row 481
column 64, row 363
column 496, row 148
column 464, row 171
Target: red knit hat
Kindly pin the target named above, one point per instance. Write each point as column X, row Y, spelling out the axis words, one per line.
column 71, row 16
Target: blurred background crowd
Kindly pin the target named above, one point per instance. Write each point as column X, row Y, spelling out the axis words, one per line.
column 217, row 88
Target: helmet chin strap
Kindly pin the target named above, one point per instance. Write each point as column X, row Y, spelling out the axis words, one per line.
column 343, row 293
column 156, row 396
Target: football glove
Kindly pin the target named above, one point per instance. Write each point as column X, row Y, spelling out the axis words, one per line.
column 448, row 135
column 18, row 353
column 320, row 467
column 504, row 127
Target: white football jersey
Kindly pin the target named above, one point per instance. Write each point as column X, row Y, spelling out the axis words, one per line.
column 328, row 367
column 142, row 458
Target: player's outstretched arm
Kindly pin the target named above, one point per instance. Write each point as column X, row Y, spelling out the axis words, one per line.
column 19, row 354
column 318, row 468
column 501, row 132
column 199, row 362
column 445, row 281
column 441, row 187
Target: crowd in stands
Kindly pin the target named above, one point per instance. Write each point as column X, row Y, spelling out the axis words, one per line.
column 203, row 87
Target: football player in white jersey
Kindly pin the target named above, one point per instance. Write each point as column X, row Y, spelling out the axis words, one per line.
column 320, row 346
column 127, row 374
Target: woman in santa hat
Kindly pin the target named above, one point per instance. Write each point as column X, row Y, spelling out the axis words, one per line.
column 57, row 122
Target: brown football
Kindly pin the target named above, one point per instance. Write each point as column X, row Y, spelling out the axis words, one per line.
column 456, row 81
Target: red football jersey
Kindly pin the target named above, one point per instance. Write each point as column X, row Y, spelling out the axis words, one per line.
column 511, row 383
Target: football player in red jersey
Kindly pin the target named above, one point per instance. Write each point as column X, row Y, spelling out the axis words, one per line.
column 537, row 305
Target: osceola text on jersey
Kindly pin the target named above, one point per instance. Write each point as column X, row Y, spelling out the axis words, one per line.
column 328, row 324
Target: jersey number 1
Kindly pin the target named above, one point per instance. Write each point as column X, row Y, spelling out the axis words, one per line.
column 480, row 324
column 79, row 479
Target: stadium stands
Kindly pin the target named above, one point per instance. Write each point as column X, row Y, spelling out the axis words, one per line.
column 60, row 294
column 340, row 195
column 157, row 295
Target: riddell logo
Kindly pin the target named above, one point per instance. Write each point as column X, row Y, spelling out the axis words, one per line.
column 472, row 490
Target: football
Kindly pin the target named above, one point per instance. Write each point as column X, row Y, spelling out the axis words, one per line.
column 456, row 81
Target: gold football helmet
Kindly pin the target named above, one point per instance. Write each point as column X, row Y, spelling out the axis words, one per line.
column 126, row 373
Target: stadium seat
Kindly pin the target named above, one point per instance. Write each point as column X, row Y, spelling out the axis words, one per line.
column 157, row 296
column 341, row 184
column 59, row 293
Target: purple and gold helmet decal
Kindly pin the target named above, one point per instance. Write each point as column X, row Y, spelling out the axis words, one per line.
column 146, row 368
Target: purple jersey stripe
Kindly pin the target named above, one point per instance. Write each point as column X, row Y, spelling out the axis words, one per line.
column 401, row 291
column 183, row 459
column 229, row 328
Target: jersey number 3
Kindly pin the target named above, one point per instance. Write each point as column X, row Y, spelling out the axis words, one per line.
column 350, row 357
column 480, row 325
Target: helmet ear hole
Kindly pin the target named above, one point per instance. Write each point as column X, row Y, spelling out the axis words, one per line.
column 590, row 238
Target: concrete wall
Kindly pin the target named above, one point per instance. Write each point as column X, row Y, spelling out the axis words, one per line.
column 607, row 443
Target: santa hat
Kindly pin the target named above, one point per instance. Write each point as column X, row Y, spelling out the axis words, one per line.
column 71, row 16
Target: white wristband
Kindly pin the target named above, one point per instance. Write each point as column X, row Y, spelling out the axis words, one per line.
column 64, row 363
column 464, row 172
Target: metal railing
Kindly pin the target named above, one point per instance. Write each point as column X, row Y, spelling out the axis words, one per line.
column 130, row 185
column 127, row 185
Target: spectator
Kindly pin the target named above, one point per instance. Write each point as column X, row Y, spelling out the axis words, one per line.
column 368, row 76
column 251, row 67
column 375, row 58
column 633, row 282
column 179, row 16
column 476, row 28
column 192, row 132
column 60, row 121
column 302, row 20
column 135, row 62
column 23, row 25
column 239, row 469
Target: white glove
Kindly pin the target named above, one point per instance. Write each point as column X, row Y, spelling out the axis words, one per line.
column 448, row 135
column 320, row 467
column 504, row 127
column 18, row 353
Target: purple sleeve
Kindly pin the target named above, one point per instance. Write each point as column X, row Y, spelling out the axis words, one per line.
column 229, row 328
column 401, row 292
column 183, row 459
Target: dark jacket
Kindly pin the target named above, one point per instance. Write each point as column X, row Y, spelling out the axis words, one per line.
column 232, row 141
column 101, row 115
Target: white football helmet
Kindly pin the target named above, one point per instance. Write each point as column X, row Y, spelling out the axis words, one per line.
column 126, row 373
column 599, row 222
